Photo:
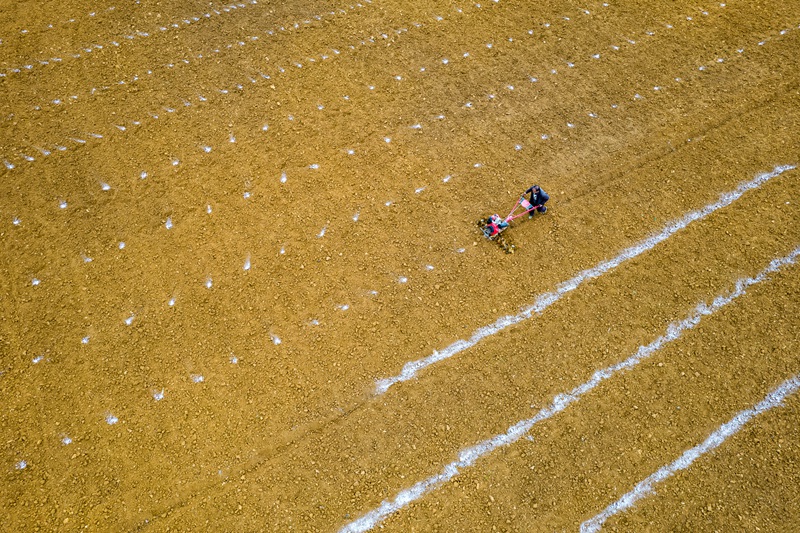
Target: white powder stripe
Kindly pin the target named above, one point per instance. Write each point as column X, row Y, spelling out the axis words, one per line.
column 645, row 488
column 544, row 301
column 467, row 457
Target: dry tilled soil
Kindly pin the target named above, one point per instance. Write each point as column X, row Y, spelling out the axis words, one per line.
column 224, row 226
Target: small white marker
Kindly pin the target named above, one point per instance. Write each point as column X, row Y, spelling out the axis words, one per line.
column 447, row 178
column 35, row 282
column 158, row 395
column 143, row 175
column 168, row 223
column 322, row 232
column 105, row 186
column 171, row 302
column 276, row 340
column 402, row 279
column 129, row 320
column 21, row 465
column 66, row 441
column 111, row 419
column 85, row 340
column 197, row 378
column 246, row 263
column 209, row 282
column 62, row 204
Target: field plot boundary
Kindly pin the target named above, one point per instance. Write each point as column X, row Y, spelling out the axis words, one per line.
column 543, row 301
column 645, row 487
column 468, row 457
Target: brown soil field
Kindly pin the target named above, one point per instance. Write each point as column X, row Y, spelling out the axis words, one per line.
column 221, row 225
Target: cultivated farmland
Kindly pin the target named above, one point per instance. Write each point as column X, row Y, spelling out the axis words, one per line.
column 243, row 288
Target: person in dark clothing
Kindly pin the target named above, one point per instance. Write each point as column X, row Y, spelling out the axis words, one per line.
column 538, row 199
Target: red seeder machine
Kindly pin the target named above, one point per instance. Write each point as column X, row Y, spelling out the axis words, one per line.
column 493, row 226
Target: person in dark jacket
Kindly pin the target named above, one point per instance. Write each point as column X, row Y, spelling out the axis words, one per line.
column 538, row 199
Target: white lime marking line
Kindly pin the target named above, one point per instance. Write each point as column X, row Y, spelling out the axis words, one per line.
column 645, row 487
column 467, row 457
column 543, row 301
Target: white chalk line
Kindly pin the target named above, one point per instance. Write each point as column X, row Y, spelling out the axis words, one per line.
column 645, row 487
column 545, row 300
column 468, row 456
